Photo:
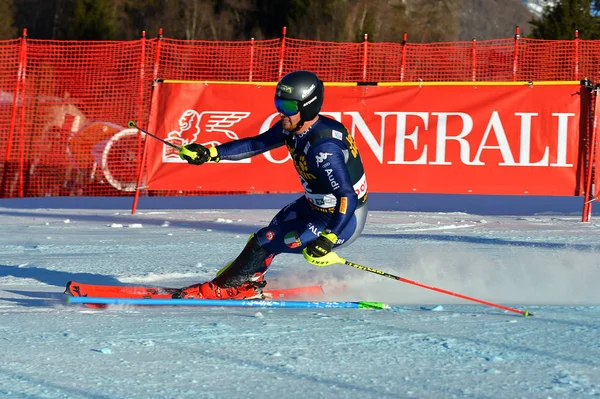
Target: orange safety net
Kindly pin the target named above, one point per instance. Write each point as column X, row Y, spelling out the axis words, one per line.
column 64, row 105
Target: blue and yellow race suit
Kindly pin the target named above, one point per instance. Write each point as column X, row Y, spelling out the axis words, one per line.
column 331, row 171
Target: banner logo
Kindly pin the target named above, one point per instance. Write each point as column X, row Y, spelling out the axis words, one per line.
column 214, row 126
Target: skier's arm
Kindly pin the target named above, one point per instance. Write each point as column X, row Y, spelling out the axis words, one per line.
column 251, row 146
column 197, row 154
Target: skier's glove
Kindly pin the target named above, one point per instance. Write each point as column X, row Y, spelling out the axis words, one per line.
column 322, row 245
column 318, row 252
column 197, row 154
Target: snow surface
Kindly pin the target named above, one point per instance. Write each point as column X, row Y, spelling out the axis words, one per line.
column 429, row 345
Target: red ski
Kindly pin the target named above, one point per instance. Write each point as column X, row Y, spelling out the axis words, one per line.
column 129, row 291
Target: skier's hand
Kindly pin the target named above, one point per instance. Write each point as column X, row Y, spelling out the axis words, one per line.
column 318, row 252
column 322, row 245
column 197, row 154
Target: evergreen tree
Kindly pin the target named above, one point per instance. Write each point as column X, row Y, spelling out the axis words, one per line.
column 89, row 20
column 561, row 21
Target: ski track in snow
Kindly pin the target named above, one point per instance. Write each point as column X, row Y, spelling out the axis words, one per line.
column 429, row 345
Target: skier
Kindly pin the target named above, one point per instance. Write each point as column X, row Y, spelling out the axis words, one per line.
column 333, row 209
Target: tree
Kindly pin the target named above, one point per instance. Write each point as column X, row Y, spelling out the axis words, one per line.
column 88, row 20
column 330, row 20
column 475, row 21
column 561, row 21
column 38, row 16
column 434, row 20
column 7, row 20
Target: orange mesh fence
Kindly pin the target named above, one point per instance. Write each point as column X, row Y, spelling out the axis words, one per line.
column 333, row 62
column 64, row 105
column 213, row 60
column 9, row 102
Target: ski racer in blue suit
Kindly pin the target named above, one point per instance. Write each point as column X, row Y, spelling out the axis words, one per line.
column 333, row 209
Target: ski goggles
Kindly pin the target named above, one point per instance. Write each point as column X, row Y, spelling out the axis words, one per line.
column 286, row 107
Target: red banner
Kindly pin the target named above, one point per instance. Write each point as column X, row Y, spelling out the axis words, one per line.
column 490, row 139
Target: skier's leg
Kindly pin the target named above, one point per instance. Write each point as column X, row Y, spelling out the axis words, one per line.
column 243, row 277
column 289, row 232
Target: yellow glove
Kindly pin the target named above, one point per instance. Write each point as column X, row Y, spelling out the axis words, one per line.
column 197, row 154
column 317, row 251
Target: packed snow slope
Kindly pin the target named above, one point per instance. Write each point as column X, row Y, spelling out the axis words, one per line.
column 428, row 345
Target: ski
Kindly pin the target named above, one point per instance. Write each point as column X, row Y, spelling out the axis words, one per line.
column 224, row 303
column 76, row 289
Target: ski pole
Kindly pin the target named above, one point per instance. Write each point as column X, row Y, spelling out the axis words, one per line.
column 182, row 150
column 332, row 258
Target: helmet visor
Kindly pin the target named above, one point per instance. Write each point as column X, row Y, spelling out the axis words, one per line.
column 286, row 107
